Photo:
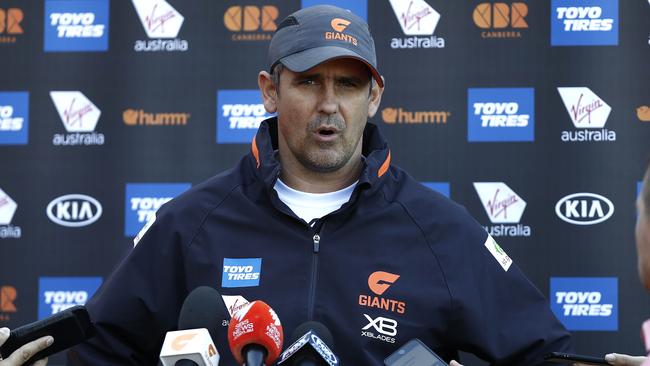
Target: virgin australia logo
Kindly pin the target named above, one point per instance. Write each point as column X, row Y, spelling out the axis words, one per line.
column 503, row 206
column 588, row 113
column 416, row 18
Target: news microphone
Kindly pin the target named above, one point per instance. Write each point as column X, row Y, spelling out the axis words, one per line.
column 312, row 347
column 199, row 321
column 255, row 335
column 68, row 327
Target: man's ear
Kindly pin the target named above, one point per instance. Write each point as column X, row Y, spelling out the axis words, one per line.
column 268, row 90
column 375, row 98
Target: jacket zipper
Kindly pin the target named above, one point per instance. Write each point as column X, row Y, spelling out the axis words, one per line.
column 314, row 277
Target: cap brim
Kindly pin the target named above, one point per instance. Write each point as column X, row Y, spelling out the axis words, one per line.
column 305, row 60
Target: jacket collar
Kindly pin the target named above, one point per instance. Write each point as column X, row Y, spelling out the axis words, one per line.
column 267, row 166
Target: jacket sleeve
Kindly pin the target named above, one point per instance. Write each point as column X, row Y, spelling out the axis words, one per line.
column 498, row 314
column 138, row 303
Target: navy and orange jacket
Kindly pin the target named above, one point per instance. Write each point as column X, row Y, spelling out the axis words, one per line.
column 398, row 261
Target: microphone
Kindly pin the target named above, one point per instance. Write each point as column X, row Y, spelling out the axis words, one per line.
column 199, row 321
column 311, row 348
column 255, row 335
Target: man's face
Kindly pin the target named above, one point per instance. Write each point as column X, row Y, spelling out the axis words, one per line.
column 322, row 113
column 643, row 243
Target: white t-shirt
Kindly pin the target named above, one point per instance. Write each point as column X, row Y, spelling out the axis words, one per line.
column 309, row 206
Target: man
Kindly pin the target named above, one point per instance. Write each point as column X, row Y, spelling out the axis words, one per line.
column 642, row 235
column 327, row 230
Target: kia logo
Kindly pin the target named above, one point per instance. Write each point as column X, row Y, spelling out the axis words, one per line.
column 584, row 208
column 74, row 210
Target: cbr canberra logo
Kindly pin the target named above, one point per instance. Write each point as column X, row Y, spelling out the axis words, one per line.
column 584, row 208
column 588, row 113
column 416, row 18
column 74, row 210
column 159, row 20
column 239, row 115
column 495, row 18
column 585, row 303
column 76, row 25
column 503, row 206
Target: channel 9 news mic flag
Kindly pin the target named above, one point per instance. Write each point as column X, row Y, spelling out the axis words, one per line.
column 255, row 335
column 199, row 320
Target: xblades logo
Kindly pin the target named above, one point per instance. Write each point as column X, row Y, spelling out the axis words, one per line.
column 247, row 21
column 380, row 328
column 499, row 16
column 379, row 282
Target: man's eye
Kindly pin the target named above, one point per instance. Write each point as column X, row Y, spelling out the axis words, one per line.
column 308, row 82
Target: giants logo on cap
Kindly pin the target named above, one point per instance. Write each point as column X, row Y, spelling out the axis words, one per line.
column 339, row 26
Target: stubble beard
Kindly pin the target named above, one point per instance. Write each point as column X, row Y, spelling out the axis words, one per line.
column 327, row 157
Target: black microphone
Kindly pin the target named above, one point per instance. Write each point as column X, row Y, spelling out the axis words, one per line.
column 199, row 321
column 312, row 347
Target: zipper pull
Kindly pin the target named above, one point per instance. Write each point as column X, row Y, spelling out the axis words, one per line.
column 316, row 243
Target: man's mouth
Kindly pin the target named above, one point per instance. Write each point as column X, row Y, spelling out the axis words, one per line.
column 326, row 131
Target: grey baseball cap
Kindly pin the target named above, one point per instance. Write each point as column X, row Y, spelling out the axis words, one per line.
column 319, row 33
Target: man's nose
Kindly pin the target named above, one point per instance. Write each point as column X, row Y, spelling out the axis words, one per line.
column 329, row 101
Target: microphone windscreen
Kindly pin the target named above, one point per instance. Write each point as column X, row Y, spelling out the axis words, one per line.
column 203, row 308
column 319, row 328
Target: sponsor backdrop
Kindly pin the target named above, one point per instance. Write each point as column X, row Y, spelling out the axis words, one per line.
column 532, row 114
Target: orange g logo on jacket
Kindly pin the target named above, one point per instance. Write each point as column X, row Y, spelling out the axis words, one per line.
column 339, row 25
column 379, row 282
